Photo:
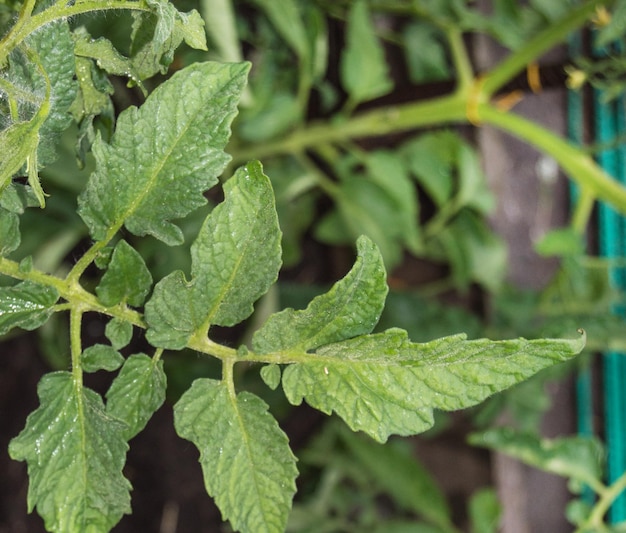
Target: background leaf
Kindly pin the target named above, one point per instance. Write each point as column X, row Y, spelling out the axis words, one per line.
column 579, row 458
column 384, row 384
column 397, row 471
column 75, row 454
column 164, row 155
column 235, row 259
column 363, row 67
column 247, row 464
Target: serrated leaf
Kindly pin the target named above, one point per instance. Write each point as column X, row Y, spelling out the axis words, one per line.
column 164, row 155
column 18, row 142
column 26, row 305
column 579, row 458
column 126, row 280
column 9, row 232
column 137, row 392
column 352, row 307
column 119, row 332
column 75, row 454
column 397, row 471
column 363, row 69
column 247, row 464
column 17, row 197
column 55, row 48
column 156, row 35
column 104, row 54
column 101, row 357
column 235, row 259
column 383, row 383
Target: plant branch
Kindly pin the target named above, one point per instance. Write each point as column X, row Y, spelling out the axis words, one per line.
column 607, row 495
column 537, row 46
column 72, row 292
column 391, row 119
column 578, row 165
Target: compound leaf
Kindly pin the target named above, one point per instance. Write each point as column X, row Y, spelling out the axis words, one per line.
column 352, row 307
column 26, row 305
column 75, row 454
column 248, row 466
column 127, row 278
column 164, row 155
column 137, row 392
column 235, row 259
column 383, row 383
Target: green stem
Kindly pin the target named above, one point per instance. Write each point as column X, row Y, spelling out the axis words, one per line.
column 460, row 59
column 72, row 292
column 76, row 318
column 391, row 119
column 607, row 496
column 578, row 165
column 536, row 47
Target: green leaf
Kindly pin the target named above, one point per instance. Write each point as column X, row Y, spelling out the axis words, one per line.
column 235, row 259
column 248, row 466
column 484, row 511
column 363, row 67
column 75, row 454
column 398, row 472
column 426, row 55
column 164, row 155
column 55, row 48
column 105, row 55
column 137, row 392
column 388, row 171
column 127, row 279
column 221, row 26
column 9, row 232
column 285, row 16
column 18, row 141
column 351, row 307
column 561, row 242
column 156, row 35
column 26, row 305
column 101, row 357
column 119, row 332
column 383, row 383
column 431, row 158
column 271, row 375
column 579, row 458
